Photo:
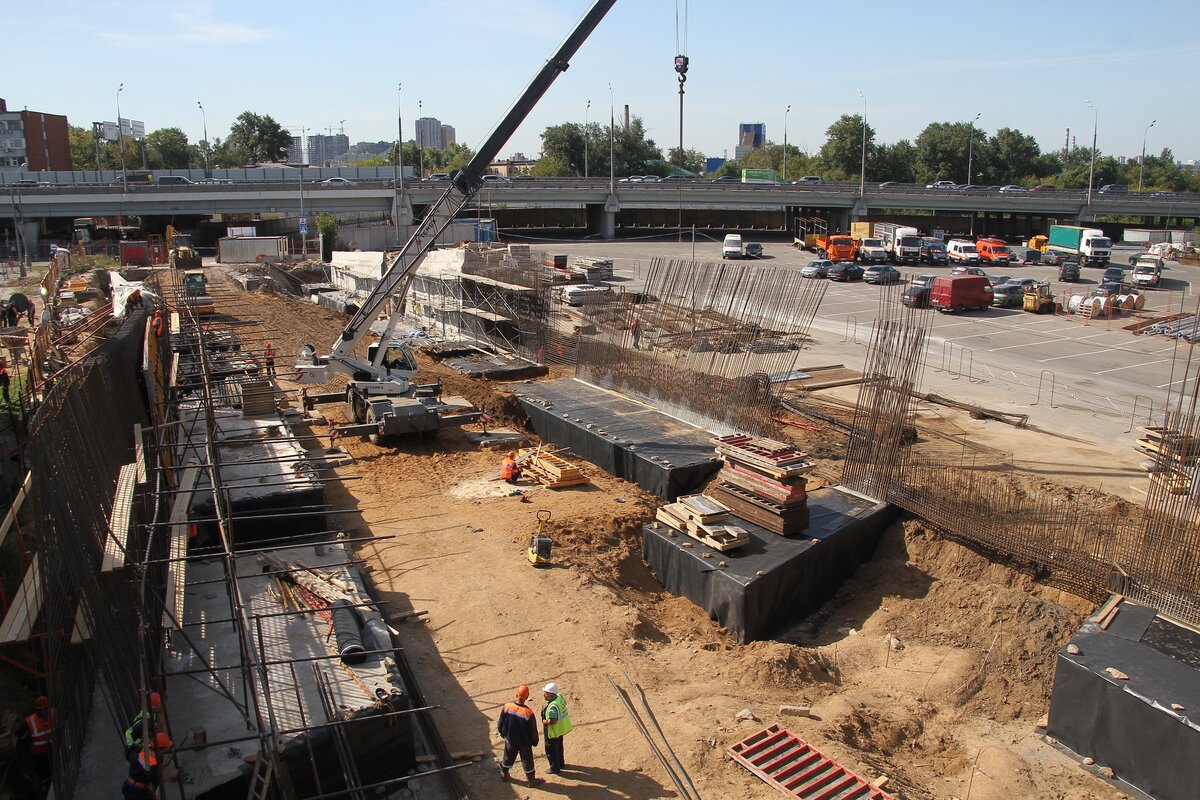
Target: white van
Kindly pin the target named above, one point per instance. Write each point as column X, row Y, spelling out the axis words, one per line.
column 732, row 248
column 960, row 251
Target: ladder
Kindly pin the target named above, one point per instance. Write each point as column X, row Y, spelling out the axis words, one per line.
column 260, row 778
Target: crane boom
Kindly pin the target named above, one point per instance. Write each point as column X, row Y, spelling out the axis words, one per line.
column 464, row 184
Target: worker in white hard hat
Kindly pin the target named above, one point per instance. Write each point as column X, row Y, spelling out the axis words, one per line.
column 557, row 724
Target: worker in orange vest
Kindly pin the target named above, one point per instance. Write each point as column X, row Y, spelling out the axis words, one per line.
column 269, row 358
column 157, row 321
column 35, row 736
column 145, row 772
column 509, row 471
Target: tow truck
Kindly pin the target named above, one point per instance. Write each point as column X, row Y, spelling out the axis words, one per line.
column 382, row 398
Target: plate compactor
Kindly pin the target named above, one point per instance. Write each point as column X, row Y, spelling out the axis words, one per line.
column 540, row 544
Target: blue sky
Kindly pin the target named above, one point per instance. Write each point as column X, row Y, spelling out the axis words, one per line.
column 1021, row 64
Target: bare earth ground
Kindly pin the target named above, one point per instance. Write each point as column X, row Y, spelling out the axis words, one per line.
column 951, row 713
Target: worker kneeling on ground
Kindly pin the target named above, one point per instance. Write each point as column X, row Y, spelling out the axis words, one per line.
column 145, row 773
column 509, row 471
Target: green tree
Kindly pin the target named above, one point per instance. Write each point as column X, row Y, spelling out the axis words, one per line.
column 83, row 147
column 634, row 153
column 550, row 167
column 328, row 228
column 1011, row 156
column 843, row 148
column 259, row 138
column 170, row 148
column 693, row 160
column 893, row 162
column 942, row 151
column 730, row 168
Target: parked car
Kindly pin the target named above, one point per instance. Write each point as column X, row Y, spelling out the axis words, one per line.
column 494, row 179
column 809, row 180
column 933, row 251
column 942, row 185
column 753, row 250
column 961, row 251
column 1031, row 256
column 845, row 271
column 1051, row 258
column 1024, row 283
column 1146, row 258
column 335, row 181
column 1043, row 188
column 816, row 269
column 915, row 296
column 1068, row 271
column 1110, row 289
column 922, row 280
column 1146, row 274
column 1113, row 275
column 1114, row 188
column 881, row 273
column 1012, row 188
column 1007, row 295
column 969, row 271
column 994, row 280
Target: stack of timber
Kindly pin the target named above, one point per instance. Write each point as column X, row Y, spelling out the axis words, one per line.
column 703, row 519
column 763, row 481
column 1174, row 457
column 548, row 469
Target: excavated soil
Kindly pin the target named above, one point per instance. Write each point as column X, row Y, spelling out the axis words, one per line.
column 930, row 666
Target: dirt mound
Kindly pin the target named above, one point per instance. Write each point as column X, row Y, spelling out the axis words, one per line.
column 779, row 665
column 890, row 729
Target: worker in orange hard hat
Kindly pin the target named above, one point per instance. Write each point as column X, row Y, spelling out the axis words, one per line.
column 509, row 470
column 269, row 358
column 146, row 772
column 519, row 729
column 35, row 734
column 143, row 719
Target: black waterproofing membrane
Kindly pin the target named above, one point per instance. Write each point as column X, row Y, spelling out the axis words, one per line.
column 625, row 438
column 1130, row 725
column 798, row 573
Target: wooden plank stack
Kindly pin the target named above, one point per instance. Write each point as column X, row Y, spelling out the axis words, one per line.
column 763, row 481
column 548, row 469
column 703, row 519
column 1174, row 457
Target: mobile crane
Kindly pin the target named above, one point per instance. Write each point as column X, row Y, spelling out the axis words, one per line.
column 381, row 395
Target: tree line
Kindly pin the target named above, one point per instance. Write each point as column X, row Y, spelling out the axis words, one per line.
column 569, row 150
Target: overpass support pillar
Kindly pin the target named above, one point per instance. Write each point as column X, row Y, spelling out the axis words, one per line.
column 402, row 215
column 859, row 212
column 839, row 220
column 602, row 220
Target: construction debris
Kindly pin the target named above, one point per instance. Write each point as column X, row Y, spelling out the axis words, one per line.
column 763, row 481
column 548, row 469
column 785, row 761
column 703, row 519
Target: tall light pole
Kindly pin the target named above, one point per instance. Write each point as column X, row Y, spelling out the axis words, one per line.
column 1092, row 168
column 420, row 141
column 971, row 146
column 862, row 178
column 786, row 111
column 399, row 139
column 585, row 138
column 612, row 127
column 121, row 138
column 204, row 117
column 1142, row 163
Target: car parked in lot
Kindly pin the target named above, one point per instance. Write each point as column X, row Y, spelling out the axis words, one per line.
column 922, row 280
column 915, row 296
column 1050, row 258
column 968, row 271
column 1029, row 255
column 933, row 251
column 845, row 271
column 1024, row 283
column 753, row 250
column 994, row 280
column 1110, row 289
column 881, row 273
column 1146, row 274
column 1068, row 271
column 816, row 269
column 1113, row 275
column 960, row 293
column 1007, row 295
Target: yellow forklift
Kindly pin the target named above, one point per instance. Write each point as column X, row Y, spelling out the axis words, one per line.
column 1039, row 299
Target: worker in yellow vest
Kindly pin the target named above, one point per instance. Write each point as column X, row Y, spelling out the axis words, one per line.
column 557, row 724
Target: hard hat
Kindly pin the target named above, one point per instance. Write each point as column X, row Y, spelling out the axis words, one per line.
column 155, row 701
column 162, row 741
column 523, row 692
column 551, row 688
column 512, row 454
column 41, row 702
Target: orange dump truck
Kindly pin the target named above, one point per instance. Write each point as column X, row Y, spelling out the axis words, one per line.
column 837, row 247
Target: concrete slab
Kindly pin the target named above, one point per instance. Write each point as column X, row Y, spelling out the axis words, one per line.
column 496, row 438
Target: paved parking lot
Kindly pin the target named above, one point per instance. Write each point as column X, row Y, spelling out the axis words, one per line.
column 996, row 357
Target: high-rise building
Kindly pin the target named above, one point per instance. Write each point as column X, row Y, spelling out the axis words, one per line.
column 751, row 136
column 296, row 151
column 34, row 140
column 432, row 133
column 324, row 150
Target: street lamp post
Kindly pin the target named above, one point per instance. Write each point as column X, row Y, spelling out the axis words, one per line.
column 420, row 141
column 1142, row 163
column 786, row 111
column 399, row 139
column 862, row 178
column 612, row 127
column 121, row 138
column 585, row 138
column 1092, row 168
column 204, row 117
column 971, row 145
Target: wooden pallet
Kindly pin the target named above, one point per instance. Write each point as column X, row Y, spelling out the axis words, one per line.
column 785, row 761
column 719, row 537
column 760, row 512
column 703, row 509
column 550, row 470
column 768, row 452
column 786, row 495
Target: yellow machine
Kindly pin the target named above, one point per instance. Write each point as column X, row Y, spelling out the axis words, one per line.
column 1038, row 299
column 1039, row 243
column 195, row 291
column 541, row 544
column 183, row 254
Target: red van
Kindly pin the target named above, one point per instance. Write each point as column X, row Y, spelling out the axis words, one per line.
column 960, row 292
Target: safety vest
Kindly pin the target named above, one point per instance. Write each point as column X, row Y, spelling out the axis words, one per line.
column 270, row 353
column 508, row 469
column 133, row 734
column 39, row 733
column 560, row 727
